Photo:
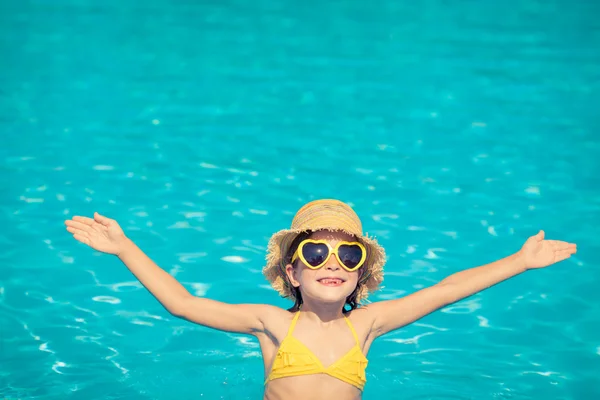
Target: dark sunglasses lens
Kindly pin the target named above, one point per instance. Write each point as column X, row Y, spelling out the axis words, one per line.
column 315, row 253
column 350, row 255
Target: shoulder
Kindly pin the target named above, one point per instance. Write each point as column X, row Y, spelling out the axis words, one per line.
column 274, row 312
column 274, row 319
column 363, row 319
column 266, row 312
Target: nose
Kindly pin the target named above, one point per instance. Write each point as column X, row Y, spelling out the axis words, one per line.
column 332, row 264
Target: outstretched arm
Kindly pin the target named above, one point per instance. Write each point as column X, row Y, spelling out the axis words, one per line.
column 105, row 235
column 535, row 253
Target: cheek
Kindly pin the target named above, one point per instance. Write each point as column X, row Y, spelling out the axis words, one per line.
column 353, row 283
column 307, row 274
column 354, row 277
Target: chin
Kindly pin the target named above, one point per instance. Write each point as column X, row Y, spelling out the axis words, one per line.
column 332, row 299
column 331, row 296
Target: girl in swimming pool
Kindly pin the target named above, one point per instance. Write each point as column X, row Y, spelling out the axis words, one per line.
column 324, row 263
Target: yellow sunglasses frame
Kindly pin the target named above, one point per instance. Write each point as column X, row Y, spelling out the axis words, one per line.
column 332, row 250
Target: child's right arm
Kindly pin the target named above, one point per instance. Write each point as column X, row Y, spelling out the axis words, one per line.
column 242, row 318
column 105, row 235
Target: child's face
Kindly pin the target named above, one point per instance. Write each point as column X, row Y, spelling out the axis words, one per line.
column 314, row 284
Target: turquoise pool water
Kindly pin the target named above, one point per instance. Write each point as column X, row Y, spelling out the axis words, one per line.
column 456, row 131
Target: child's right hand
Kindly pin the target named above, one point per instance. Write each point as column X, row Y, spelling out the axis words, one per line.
column 100, row 233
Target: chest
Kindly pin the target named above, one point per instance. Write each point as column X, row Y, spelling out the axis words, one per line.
column 327, row 349
column 325, row 345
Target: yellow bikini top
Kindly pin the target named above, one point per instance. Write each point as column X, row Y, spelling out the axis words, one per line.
column 294, row 358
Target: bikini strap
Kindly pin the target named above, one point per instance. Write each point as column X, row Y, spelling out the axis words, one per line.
column 293, row 324
column 352, row 329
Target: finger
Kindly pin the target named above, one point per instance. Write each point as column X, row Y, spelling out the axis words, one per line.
column 84, row 220
column 99, row 227
column 560, row 245
column 540, row 235
column 76, row 231
column 78, row 225
column 101, row 219
column 561, row 255
column 573, row 249
column 82, row 239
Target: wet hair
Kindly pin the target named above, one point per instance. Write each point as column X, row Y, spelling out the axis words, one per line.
column 351, row 303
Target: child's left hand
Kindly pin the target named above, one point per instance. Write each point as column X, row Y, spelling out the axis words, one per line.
column 539, row 253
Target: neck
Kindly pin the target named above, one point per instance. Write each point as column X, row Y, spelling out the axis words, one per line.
column 323, row 312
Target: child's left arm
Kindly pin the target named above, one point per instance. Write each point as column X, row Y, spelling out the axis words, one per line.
column 535, row 253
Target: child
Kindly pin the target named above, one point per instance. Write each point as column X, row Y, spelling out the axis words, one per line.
column 324, row 263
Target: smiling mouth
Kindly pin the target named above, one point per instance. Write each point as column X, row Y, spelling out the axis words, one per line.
column 331, row 281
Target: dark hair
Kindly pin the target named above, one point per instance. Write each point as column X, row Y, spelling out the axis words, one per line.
column 350, row 300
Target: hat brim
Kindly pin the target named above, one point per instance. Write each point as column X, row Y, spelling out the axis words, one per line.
column 281, row 241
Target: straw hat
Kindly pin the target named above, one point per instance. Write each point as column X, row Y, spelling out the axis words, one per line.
column 332, row 215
